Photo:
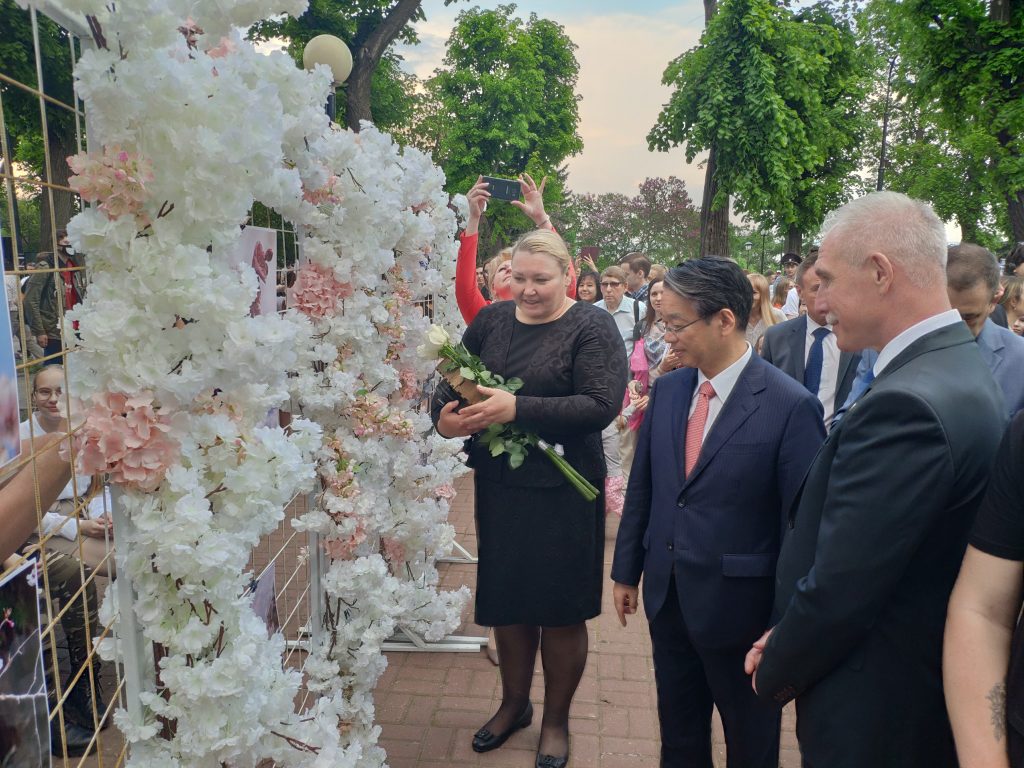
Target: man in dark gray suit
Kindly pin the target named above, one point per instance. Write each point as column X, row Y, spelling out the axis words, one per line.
column 881, row 523
column 806, row 349
column 972, row 281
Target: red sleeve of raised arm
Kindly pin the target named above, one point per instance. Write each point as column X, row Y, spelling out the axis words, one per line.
column 571, row 290
column 467, row 293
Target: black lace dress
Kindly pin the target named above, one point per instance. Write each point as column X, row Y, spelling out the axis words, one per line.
column 541, row 545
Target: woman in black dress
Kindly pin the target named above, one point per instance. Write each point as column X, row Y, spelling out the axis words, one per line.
column 541, row 545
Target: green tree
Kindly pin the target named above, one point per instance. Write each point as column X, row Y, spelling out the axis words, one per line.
column 968, row 56
column 778, row 95
column 41, row 147
column 915, row 148
column 377, row 90
column 505, row 103
column 660, row 221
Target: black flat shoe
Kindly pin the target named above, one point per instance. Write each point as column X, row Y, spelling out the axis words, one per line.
column 485, row 741
column 550, row 761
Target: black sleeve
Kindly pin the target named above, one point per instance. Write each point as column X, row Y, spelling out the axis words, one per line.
column 999, row 528
column 599, row 376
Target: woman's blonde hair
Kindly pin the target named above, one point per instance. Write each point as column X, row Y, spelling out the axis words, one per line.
column 763, row 307
column 492, row 264
column 547, row 242
column 1012, row 289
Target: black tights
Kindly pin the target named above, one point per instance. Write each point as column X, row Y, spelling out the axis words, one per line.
column 563, row 653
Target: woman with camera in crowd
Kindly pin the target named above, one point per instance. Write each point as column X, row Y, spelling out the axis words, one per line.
column 467, row 292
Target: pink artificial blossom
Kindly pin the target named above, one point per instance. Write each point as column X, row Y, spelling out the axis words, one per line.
column 410, row 385
column 446, row 491
column 324, row 194
column 345, row 549
column 115, row 179
column 127, row 438
column 317, row 291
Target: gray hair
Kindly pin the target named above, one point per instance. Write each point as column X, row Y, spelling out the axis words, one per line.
column 906, row 230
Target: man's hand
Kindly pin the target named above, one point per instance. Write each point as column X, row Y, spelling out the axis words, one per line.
column 532, row 203
column 754, row 656
column 498, row 408
column 627, row 599
column 43, row 339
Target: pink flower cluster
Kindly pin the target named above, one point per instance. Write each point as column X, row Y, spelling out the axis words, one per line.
column 126, row 437
column 317, row 291
column 373, row 417
column 115, row 179
column 446, row 491
column 324, row 194
column 345, row 549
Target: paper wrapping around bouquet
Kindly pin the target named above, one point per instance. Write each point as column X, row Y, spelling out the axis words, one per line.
column 465, row 388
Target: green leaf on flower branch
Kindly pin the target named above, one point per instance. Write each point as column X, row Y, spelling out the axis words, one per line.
column 497, row 446
column 514, row 384
column 467, row 373
column 515, row 460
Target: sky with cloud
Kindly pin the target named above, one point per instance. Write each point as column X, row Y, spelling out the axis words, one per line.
column 623, row 49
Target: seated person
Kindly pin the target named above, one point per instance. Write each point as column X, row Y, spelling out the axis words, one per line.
column 60, row 519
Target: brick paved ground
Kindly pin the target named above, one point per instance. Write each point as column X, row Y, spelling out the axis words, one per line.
column 429, row 704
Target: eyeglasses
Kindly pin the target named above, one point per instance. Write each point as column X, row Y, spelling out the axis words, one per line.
column 675, row 330
column 610, row 285
column 46, row 394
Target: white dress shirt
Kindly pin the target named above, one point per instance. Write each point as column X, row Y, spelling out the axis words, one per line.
column 829, row 366
column 792, row 306
column 899, row 343
column 723, row 384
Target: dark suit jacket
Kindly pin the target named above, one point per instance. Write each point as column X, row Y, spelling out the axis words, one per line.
column 785, row 348
column 865, row 573
column 720, row 528
column 1003, row 352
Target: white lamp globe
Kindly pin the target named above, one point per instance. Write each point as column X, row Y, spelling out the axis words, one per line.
column 331, row 52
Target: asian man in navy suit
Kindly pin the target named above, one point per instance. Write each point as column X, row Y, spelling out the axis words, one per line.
column 723, row 447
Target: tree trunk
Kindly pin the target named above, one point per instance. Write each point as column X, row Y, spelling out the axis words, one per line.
column 366, row 59
column 62, row 146
column 1016, row 205
column 999, row 10
column 794, row 239
column 714, row 225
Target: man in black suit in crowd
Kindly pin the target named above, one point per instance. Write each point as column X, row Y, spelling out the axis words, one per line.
column 805, row 347
column 721, row 452
column 881, row 522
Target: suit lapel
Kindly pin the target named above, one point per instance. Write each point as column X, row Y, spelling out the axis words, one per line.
column 735, row 411
column 797, row 344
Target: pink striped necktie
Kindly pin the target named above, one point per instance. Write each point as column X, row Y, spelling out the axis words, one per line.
column 695, row 426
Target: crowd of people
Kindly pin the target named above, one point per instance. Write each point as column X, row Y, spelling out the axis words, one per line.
column 805, row 457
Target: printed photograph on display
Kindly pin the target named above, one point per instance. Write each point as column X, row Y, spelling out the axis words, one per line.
column 24, row 718
column 10, row 416
column 257, row 248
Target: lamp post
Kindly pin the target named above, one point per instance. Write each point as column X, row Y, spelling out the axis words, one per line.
column 334, row 54
column 747, row 248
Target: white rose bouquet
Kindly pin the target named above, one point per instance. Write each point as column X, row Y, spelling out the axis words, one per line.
column 464, row 371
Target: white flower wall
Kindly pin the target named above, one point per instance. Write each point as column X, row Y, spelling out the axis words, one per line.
column 189, row 126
